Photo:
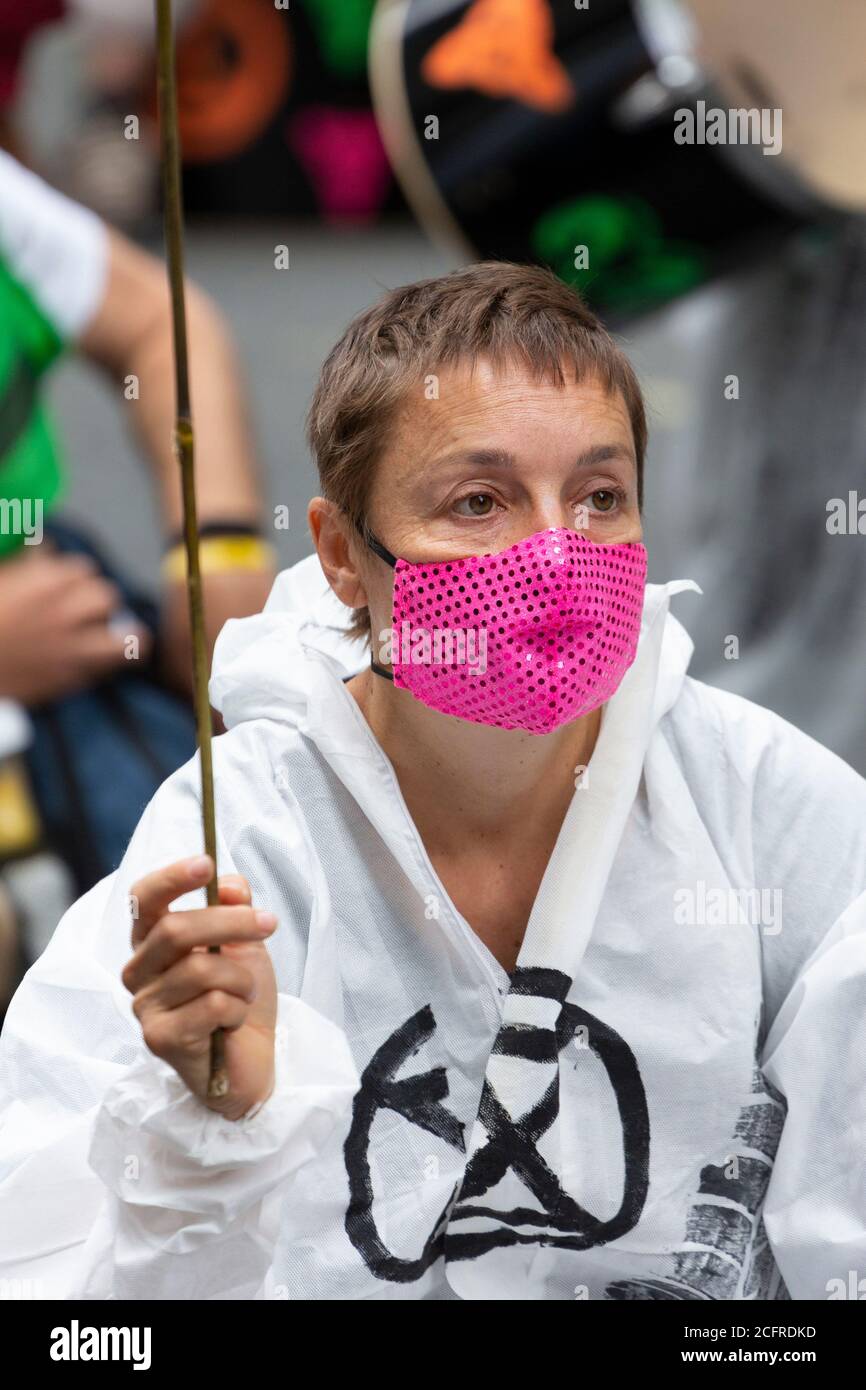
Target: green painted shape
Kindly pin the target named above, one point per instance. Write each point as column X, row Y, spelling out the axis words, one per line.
column 342, row 29
column 631, row 264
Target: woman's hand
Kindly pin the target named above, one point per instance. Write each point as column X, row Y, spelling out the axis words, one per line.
column 182, row 991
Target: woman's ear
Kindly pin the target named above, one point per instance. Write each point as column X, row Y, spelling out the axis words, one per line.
column 331, row 532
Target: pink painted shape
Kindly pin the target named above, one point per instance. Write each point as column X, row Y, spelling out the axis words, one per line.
column 344, row 158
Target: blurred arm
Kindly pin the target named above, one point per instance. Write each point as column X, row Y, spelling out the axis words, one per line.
column 131, row 335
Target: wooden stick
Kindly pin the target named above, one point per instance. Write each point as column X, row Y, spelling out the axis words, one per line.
column 218, row 1082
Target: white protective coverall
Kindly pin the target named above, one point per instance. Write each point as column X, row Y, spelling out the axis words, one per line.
column 667, row 1099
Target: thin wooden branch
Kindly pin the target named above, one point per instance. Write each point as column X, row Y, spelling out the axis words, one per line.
column 218, row 1083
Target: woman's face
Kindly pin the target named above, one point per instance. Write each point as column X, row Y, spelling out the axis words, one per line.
column 495, row 458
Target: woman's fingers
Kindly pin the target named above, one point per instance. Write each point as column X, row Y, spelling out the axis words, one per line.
column 178, row 933
column 184, row 1032
column 194, row 975
column 151, row 897
column 184, row 990
column 234, row 889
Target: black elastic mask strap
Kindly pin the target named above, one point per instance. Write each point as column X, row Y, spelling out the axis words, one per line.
column 384, row 554
column 373, row 543
column 378, row 548
column 380, row 670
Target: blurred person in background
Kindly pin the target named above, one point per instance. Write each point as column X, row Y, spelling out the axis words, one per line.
column 94, row 677
column 109, row 49
column 18, row 23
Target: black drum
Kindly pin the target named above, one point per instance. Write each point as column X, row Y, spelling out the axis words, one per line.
column 534, row 130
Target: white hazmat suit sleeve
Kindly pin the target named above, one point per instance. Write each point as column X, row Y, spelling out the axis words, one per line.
column 115, row 1181
column 790, row 817
column 815, row 1053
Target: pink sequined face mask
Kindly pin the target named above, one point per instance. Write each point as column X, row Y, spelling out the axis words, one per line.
column 529, row 638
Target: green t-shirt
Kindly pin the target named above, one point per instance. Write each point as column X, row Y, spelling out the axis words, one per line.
column 29, row 456
column 53, row 261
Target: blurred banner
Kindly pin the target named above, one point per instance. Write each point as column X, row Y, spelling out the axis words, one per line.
column 274, row 106
column 275, row 111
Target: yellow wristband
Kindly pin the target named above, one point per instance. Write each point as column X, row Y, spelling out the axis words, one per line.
column 20, row 829
column 221, row 555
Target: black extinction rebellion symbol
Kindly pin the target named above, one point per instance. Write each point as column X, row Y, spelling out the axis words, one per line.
column 510, row 1144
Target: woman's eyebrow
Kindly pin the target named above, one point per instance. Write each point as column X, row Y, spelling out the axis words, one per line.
column 502, row 458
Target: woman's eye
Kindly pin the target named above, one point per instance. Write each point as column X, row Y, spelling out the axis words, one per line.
column 604, row 500
column 478, row 504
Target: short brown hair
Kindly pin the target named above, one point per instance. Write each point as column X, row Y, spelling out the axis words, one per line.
column 493, row 309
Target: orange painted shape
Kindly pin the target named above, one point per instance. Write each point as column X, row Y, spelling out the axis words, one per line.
column 234, row 64
column 503, row 48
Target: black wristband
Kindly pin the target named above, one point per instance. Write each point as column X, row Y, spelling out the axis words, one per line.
column 216, row 528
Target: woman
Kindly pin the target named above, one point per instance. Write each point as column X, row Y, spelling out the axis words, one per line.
column 542, row 963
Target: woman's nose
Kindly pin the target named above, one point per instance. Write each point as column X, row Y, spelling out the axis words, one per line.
column 624, row 525
column 546, row 514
